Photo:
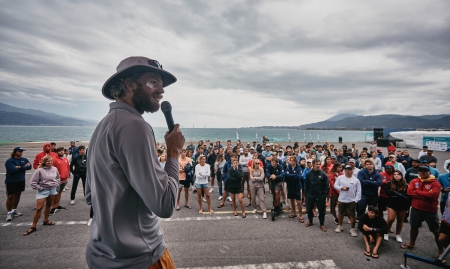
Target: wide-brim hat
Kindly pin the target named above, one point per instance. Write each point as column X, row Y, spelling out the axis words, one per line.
column 137, row 64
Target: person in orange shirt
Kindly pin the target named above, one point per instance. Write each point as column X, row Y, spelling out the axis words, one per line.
column 62, row 164
column 47, row 150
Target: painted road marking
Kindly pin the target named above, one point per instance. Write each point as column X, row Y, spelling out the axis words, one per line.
column 327, row 264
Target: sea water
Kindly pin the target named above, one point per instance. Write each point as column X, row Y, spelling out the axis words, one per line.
column 13, row 134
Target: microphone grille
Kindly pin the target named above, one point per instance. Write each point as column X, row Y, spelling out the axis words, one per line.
column 166, row 107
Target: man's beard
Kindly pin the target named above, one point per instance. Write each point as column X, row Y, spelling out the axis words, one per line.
column 143, row 102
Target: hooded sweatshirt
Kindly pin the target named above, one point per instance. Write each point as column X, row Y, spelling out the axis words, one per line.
column 41, row 155
column 425, row 194
column 369, row 182
column 62, row 164
column 45, row 178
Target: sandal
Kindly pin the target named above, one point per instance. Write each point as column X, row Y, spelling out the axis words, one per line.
column 220, row 206
column 244, row 215
column 367, row 253
column 177, row 208
column 303, row 211
column 247, row 205
column 301, row 220
column 235, row 213
column 188, row 206
column 292, row 216
column 391, row 231
column 308, row 224
column 406, row 246
column 29, row 231
column 375, row 255
column 323, row 228
column 315, row 214
column 48, row 222
column 211, row 211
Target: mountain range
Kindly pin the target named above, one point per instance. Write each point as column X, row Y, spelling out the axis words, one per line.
column 11, row 115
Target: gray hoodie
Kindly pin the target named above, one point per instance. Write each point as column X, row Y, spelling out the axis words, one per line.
column 45, row 178
column 257, row 178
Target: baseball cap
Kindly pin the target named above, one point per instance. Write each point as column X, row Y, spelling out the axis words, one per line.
column 348, row 167
column 389, row 165
column 280, row 150
column 379, row 150
column 352, row 161
column 415, row 160
column 424, row 168
column 18, row 149
column 423, row 161
column 137, row 64
column 333, row 156
column 309, row 161
column 392, row 156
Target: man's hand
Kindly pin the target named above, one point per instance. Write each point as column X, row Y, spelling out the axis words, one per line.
column 28, row 164
column 174, row 141
column 366, row 228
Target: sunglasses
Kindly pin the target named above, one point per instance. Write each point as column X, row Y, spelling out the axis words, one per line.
column 155, row 63
column 256, row 163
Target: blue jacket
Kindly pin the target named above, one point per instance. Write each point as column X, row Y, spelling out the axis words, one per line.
column 369, row 182
column 73, row 152
column 278, row 172
column 445, row 183
column 293, row 177
column 226, row 168
column 434, row 172
column 14, row 174
column 305, row 171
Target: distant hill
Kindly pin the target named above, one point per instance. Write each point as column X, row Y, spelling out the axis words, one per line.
column 341, row 117
column 384, row 121
column 10, row 115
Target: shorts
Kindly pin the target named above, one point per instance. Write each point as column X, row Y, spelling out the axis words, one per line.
column 212, row 174
column 445, row 228
column 276, row 186
column 416, row 217
column 294, row 194
column 184, row 183
column 15, row 187
column 45, row 193
column 382, row 203
column 343, row 207
column 234, row 190
column 201, row 186
column 61, row 186
column 245, row 177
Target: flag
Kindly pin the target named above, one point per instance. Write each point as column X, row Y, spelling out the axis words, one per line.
column 237, row 135
column 304, row 135
column 318, row 139
column 257, row 139
column 289, row 137
column 310, row 139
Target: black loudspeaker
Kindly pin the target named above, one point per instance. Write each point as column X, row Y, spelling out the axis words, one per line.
column 377, row 133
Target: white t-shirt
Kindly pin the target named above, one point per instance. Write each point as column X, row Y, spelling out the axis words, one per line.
column 204, row 171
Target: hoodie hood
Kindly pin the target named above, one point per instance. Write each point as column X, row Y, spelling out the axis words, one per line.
column 45, row 145
column 446, row 164
column 431, row 178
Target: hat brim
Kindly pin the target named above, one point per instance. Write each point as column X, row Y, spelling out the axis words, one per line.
column 166, row 77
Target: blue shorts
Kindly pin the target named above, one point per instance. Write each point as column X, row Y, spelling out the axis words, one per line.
column 45, row 193
column 201, row 186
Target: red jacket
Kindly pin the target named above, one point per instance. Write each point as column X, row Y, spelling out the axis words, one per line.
column 41, row 155
column 425, row 194
column 332, row 179
column 63, row 166
column 385, row 178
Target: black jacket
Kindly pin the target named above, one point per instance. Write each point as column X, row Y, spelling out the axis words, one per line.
column 80, row 165
column 234, row 178
column 316, row 184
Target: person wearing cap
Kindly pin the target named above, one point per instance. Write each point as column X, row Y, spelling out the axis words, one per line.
column 397, row 165
column 349, row 190
column 352, row 164
column 444, row 180
column 433, row 171
column 386, row 176
column 16, row 167
column 432, row 161
column 380, row 154
column 370, row 182
column 125, row 181
column 424, row 192
column 316, row 189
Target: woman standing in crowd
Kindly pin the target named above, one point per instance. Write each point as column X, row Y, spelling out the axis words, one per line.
column 326, row 167
column 234, row 186
column 376, row 161
column 218, row 170
column 45, row 180
column 257, row 186
column 335, row 171
column 202, row 172
column 398, row 202
column 162, row 160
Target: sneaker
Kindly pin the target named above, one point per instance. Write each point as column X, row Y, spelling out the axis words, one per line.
column 264, row 215
column 61, row 208
column 254, row 211
column 353, row 232
column 9, row 216
column 72, row 202
column 220, row 198
column 339, row 229
column 229, row 199
column 211, row 189
column 52, row 211
column 386, row 237
column 204, row 200
column 336, row 221
column 89, row 222
column 398, row 238
column 65, row 188
column 16, row 213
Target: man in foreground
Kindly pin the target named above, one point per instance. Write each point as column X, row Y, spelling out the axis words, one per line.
column 127, row 187
column 316, row 189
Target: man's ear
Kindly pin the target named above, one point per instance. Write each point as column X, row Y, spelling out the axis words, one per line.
column 130, row 85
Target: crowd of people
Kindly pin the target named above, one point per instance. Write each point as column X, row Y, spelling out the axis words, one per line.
column 362, row 184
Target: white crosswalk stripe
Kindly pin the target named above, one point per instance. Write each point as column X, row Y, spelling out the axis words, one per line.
column 324, row 264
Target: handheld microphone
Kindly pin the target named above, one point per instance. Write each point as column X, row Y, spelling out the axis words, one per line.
column 166, row 108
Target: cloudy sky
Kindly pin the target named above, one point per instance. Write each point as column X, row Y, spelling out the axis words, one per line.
column 238, row 63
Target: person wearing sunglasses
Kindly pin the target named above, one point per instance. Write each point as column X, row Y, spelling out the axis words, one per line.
column 257, row 186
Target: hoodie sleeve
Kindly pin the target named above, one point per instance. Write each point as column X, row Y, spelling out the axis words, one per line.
column 433, row 193
column 35, row 180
